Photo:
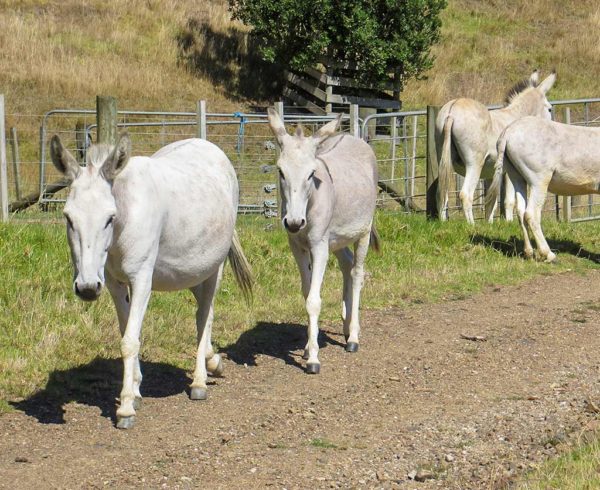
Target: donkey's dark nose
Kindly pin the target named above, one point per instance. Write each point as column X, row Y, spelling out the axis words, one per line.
column 88, row 291
column 294, row 225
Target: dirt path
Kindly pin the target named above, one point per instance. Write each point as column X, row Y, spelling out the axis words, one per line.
column 416, row 398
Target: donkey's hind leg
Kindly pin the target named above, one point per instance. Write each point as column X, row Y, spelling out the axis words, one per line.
column 204, row 294
column 520, row 187
column 472, row 174
column 361, row 248
column 345, row 261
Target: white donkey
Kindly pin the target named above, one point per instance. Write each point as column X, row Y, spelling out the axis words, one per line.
column 329, row 188
column 466, row 133
column 165, row 223
column 546, row 155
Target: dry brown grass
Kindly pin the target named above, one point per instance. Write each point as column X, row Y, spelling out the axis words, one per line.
column 488, row 45
column 65, row 52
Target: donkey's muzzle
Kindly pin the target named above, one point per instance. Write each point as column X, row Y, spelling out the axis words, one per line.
column 88, row 291
column 294, row 225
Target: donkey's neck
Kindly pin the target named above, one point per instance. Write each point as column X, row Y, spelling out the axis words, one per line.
column 522, row 106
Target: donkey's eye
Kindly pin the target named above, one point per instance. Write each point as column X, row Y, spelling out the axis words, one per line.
column 109, row 222
column 281, row 174
column 312, row 174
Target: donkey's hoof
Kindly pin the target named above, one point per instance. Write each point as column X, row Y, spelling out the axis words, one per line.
column 218, row 371
column 198, row 394
column 137, row 403
column 352, row 347
column 313, row 368
column 126, row 422
column 305, row 355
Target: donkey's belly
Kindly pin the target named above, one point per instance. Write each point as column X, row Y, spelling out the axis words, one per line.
column 175, row 274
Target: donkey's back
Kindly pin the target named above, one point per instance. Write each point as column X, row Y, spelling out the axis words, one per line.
column 173, row 204
column 353, row 169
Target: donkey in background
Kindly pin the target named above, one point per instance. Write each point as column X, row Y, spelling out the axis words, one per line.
column 165, row 223
column 466, row 133
column 329, row 188
column 546, row 156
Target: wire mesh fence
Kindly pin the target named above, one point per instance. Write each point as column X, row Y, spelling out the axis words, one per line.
column 398, row 139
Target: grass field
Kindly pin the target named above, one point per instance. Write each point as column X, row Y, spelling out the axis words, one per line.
column 44, row 327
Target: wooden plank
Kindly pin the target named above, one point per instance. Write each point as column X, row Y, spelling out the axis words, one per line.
column 364, row 101
column 343, row 81
column 298, row 99
column 33, row 198
column 306, row 86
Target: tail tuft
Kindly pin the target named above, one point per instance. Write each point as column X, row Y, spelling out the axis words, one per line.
column 375, row 241
column 445, row 169
column 241, row 268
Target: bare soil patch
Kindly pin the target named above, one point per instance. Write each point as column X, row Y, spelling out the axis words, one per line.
column 462, row 394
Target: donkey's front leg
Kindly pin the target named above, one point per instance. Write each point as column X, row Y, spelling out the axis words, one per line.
column 204, row 294
column 120, row 295
column 130, row 347
column 319, row 254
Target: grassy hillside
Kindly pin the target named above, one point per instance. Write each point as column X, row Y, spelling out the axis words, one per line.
column 64, row 52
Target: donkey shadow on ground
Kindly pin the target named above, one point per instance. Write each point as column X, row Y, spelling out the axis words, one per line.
column 278, row 340
column 513, row 247
column 97, row 384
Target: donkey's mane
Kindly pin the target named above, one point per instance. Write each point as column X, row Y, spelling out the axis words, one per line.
column 518, row 88
column 97, row 154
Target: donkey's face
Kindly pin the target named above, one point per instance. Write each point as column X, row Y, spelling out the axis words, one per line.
column 297, row 165
column 90, row 210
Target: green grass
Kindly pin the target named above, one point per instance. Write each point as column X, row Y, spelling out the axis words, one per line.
column 576, row 470
column 44, row 328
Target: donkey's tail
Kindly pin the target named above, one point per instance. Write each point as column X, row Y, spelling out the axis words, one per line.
column 241, row 268
column 445, row 169
column 494, row 189
column 374, row 240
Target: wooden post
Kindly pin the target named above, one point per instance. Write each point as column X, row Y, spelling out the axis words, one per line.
column 16, row 161
column 567, row 200
column 201, row 112
column 354, row 121
column 106, row 119
column 432, row 164
column 3, row 164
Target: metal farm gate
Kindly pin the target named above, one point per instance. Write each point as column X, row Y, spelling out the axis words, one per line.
column 402, row 143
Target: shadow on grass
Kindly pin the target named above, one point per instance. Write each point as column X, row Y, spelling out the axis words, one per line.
column 275, row 340
column 514, row 247
column 97, row 384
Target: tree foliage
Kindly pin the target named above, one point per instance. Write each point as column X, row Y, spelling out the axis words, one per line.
column 377, row 36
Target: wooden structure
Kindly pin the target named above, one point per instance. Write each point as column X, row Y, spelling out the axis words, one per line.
column 319, row 89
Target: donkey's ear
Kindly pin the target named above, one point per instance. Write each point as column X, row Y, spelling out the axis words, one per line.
column 118, row 158
column 328, row 129
column 534, row 78
column 547, row 82
column 277, row 125
column 64, row 162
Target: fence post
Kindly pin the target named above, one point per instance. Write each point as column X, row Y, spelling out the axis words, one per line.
column 16, row 161
column 354, row 122
column 3, row 169
column 432, row 164
column 201, row 112
column 106, row 119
